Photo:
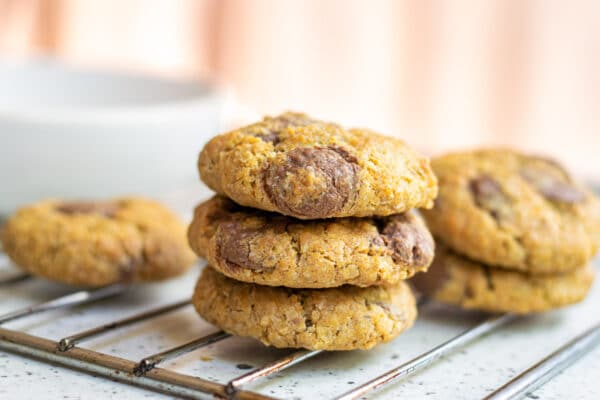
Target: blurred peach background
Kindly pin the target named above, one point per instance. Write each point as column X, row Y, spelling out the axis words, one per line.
column 441, row 74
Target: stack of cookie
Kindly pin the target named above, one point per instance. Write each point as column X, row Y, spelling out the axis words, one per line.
column 312, row 233
column 514, row 233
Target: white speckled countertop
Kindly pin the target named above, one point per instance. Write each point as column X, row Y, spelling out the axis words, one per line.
column 470, row 373
column 467, row 374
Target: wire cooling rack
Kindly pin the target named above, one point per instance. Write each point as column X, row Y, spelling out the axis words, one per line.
column 151, row 372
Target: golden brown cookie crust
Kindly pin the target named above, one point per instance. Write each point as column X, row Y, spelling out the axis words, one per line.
column 270, row 249
column 344, row 318
column 310, row 169
column 456, row 280
column 97, row 243
column 515, row 211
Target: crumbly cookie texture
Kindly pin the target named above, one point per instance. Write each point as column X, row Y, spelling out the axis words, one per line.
column 454, row 279
column 271, row 249
column 97, row 243
column 515, row 211
column 308, row 169
column 344, row 318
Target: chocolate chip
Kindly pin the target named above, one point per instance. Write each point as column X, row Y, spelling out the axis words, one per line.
column 233, row 245
column 434, row 279
column 552, row 183
column 107, row 209
column 314, row 182
column 484, row 187
column 129, row 270
column 274, row 126
column 409, row 242
column 469, row 292
column 377, row 241
column 270, row 137
column 487, row 273
column 488, row 195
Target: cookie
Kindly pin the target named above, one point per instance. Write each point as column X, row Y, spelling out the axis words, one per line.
column 309, row 169
column 271, row 249
column 454, row 279
column 97, row 243
column 515, row 211
column 344, row 318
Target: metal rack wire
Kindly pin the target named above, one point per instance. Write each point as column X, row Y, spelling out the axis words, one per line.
column 147, row 373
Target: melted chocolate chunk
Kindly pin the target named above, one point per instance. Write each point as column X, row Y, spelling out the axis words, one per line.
column 129, row 270
column 485, row 187
column 409, row 243
column 286, row 183
column 107, row 209
column 270, row 137
column 278, row 124
column 469, row 292
column 233, row 245
column 434, row 279
column 489, row 281
column 488, row 195
column 551, row 185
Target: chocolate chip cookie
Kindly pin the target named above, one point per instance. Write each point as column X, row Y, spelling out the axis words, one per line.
column 309, row 169
column 344, row 318
column 454, row 279
column 270, row 249
column 97, row 243
column 515, row 211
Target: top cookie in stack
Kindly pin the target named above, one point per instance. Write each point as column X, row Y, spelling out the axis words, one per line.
column 515, row 211
column 309, row 169
column 304, row 205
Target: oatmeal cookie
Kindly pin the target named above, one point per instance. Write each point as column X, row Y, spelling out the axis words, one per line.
column 309, row 169
column 454, row 279
column 515, row 211
column 344, row 318
column 97, row 243
column 271, row 249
